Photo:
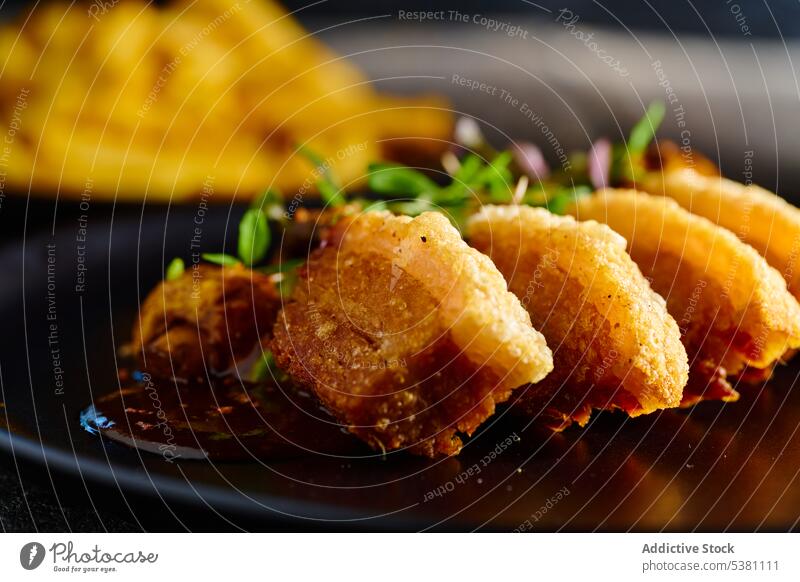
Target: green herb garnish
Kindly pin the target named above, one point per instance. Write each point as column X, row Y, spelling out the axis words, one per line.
column 565, row 196
column 282, row 267
column 221, row 259
column 287, row 282
column 497, row 178
column 484, row 177
column 254, row 233
column 254, row 237
column 327, row 183
column 626, row 157
column 265, row 368
column 645, row 129
column 175, row 269
column 473, row 176
column 492, row 182
column 394, row 179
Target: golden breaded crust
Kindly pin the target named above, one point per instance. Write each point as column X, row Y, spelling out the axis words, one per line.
column 486, row 321
column 733, row 308
column 406, row 334
column 762, row 219
column 204, row 322
column 666, row 155
column 608, row 329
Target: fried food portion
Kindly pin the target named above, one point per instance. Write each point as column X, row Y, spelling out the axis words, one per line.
column 205, row 322
column 734, row 310
column 406, row 334
column 614, row 344
column 133, row 99
column 762, row 219
column 667, row 156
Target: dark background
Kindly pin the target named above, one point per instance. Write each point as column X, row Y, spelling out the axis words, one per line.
column 702, row 17
column 699, row 17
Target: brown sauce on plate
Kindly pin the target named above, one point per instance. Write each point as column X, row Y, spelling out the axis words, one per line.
column 227, row 419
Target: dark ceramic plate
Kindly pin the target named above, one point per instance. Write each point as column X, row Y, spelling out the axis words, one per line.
column 715, row 467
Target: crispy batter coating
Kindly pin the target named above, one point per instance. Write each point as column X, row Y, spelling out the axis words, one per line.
column 614, row 344
column 204, row 321
column 733, row 309
column 665, row 155
column 406, row 334
column 762, row 219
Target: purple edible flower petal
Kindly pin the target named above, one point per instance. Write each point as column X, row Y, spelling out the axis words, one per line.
column 599, row 163
column 531, row 161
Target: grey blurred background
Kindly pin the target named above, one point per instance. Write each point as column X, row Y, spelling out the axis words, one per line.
column 587, row 69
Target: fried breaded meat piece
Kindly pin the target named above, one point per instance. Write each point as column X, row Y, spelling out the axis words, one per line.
column 406, row 334
column 734, row 310
column 762, row 219
column 667, row 156
column 614, row 344
column 204, row 322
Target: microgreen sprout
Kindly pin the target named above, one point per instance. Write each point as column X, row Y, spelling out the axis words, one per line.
column 265, row 368
column 254, row 237
column 221, row 259
column 174, row 269
column 327, row 183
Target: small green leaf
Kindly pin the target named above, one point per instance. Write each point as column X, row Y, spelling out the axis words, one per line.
column 331, row 193
column 563, row 197
column 400, row 180
column 497, row 178
column 416, row 206
column 287, row 282
column 175, row 269
column 460, row 188
column 254, row 237
column 221, row 259
column 469, row 168
column 328, row 184
column 620, row 163
column 282, row 267
column 263, row 368
column 645, row 129
column 498, row 167
column 285, row 274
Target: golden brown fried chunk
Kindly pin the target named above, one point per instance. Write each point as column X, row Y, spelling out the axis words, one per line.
column 733, row 309
column 665, row 155
column 406, row 334
column 614, row 344
column 762, row 219
column 204, row 322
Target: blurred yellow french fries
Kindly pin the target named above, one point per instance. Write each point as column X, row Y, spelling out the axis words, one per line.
column 137, row 102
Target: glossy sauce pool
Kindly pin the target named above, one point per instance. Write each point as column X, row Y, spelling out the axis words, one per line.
column 227, row 419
